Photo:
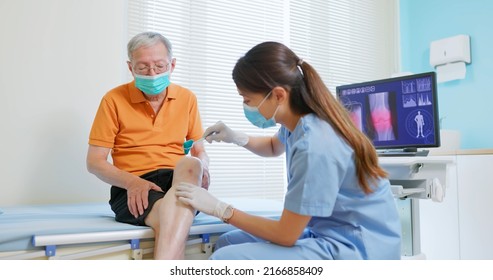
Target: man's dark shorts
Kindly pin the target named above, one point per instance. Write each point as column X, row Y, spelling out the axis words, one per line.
column 119, row 204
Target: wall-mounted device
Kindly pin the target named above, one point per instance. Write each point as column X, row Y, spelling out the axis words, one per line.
column 449, row 57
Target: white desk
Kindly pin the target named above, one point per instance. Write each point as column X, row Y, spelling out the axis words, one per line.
column 414, row 178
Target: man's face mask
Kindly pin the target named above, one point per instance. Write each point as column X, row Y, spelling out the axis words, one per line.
column 152, row 85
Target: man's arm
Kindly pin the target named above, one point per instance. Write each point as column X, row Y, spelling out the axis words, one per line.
column 137, row 188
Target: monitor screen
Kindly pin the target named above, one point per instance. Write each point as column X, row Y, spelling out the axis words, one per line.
column 395, row 113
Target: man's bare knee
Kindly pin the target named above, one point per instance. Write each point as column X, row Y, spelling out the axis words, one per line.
column 188, row 169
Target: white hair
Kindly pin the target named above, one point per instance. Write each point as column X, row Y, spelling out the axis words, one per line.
column 145, row 39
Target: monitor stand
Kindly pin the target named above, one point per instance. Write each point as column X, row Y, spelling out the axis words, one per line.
column 406, row 152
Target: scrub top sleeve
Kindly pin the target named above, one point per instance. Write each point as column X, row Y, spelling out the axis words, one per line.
column 314, row 180
column 282, row 135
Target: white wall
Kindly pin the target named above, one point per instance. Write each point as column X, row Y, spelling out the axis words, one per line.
column 57, row 59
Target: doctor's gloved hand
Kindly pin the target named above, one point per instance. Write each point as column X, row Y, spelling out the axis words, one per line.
column 221, row 132
column 200, row 199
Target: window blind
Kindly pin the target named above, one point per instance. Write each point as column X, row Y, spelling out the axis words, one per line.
column 346, row 41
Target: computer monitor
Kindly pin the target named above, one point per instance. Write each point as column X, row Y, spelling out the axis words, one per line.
column 398, row 114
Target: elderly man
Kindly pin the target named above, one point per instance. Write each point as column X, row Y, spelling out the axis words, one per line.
column 144, row 124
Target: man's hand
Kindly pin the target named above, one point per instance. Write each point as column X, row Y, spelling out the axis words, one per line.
column 138, row 194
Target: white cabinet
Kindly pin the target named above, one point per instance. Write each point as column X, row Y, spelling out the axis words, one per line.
column 475, row 190
column 439, row 223
column 461, row 227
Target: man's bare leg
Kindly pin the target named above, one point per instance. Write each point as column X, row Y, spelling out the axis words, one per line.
column 170, row 218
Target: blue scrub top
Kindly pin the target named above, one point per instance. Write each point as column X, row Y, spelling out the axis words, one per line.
column 322, row 183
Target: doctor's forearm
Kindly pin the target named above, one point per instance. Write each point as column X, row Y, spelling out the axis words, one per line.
column 267, row 229
column 261, row 146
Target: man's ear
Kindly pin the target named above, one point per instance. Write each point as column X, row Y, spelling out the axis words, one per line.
column 173, row 64
column 129, row 64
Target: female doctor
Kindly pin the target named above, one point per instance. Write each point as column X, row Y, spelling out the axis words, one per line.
column 338, row 203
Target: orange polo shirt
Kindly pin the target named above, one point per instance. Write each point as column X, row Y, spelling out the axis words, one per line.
column 142, row 141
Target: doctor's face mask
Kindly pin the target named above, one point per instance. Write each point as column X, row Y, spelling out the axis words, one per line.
column 256, row 118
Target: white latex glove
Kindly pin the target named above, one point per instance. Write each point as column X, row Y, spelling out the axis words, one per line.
column 221, row 132
column 200, row 199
